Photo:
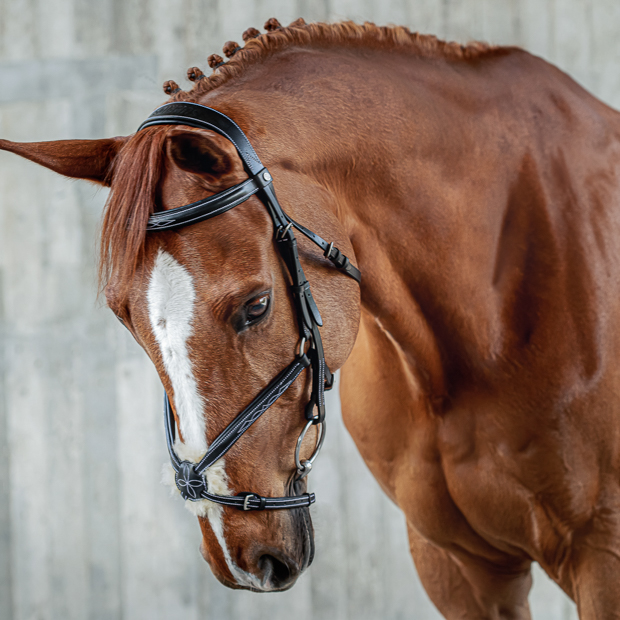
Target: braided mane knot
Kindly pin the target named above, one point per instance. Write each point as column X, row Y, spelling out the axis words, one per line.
column 215, row 61
column 250, row 33
column 230, row 48
column 171, row 87
column 194, row 74
column 272, row 24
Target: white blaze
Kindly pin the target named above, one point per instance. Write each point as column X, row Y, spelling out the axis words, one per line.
column 171, row 297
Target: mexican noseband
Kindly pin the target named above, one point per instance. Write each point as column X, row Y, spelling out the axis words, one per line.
column 190, row 477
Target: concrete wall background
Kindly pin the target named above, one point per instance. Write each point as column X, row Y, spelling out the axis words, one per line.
column 86, row 529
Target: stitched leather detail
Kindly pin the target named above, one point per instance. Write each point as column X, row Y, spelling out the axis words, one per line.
column 231, row 434
column 202, row 209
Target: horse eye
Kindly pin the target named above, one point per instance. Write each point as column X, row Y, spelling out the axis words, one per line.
column 256, row 308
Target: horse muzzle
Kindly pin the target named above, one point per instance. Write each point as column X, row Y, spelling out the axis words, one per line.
column 267, row 555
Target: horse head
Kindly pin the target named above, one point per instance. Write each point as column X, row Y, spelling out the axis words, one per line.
column 211, row 305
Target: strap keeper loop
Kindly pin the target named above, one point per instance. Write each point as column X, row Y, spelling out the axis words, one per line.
column 329, row 379
column 309, row 412
column 336, row 256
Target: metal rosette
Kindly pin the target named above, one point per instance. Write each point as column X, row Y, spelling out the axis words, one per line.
column 191, row 485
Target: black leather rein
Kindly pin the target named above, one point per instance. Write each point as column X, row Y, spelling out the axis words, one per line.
column 190, row 477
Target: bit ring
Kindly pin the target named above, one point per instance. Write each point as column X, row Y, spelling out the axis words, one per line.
column 304, row 467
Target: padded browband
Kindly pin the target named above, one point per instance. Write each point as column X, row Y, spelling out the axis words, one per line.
column 203, row 209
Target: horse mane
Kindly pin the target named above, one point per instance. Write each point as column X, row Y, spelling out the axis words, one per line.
column 138, row 167
column 345, row 34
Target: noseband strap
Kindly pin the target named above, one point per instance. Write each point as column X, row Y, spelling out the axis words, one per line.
column 190, row 477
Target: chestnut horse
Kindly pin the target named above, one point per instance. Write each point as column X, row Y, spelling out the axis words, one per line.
column 477, row 189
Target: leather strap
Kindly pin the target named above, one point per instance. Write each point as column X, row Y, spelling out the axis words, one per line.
column 194, row 115
column 331, row 252
column 190, row 478
column 194, row 488
column 202, row 209
column 229, row 436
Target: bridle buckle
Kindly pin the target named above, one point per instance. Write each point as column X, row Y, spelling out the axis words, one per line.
column 283, row 230
column 246, row 501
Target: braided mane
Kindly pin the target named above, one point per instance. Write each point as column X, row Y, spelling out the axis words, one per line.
column 345, row 33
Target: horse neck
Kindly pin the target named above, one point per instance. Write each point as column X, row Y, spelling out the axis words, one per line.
column 393, row 183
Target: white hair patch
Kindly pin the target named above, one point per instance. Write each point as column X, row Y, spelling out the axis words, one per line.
column 216, row 480
column 171, row 297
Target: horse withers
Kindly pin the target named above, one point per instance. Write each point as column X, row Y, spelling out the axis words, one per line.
column 477, row 189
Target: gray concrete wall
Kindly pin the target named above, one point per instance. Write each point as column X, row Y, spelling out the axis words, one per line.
column 86, row 529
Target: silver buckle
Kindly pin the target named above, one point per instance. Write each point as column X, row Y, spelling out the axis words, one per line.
column 247, row 500
column 283, row 231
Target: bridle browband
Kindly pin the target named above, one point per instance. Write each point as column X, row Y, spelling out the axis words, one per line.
column 190, row 477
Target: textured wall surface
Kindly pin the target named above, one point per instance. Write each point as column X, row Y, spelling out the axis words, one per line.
column 86, row 529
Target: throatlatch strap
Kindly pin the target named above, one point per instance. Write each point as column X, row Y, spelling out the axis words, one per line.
column 331, row 252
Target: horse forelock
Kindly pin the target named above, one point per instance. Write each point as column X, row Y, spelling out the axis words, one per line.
column 135, row 178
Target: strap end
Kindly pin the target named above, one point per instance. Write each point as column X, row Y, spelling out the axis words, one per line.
column 342, row 263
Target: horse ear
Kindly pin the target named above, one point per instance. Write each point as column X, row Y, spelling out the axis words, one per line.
column 203, row 153
column 91, row 160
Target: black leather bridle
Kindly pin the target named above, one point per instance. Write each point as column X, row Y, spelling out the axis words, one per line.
column 190, row 477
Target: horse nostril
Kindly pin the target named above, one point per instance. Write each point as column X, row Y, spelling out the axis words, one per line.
column 276, row 573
